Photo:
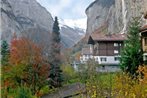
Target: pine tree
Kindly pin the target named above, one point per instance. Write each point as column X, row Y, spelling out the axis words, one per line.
column 5, row 53
column 55, row 71
column 131, row 56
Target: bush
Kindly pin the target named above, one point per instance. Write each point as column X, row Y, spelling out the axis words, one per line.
column 23, row 92
column 46, row 90
column 69, row 73
column 120, row 85
column 128, row 87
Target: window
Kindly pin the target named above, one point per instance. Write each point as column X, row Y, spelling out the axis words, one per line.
column 116, row 58
column 145, row 41
column 145, row 57
column 115, row 51
column 81, row 58
column 103, row 59
column 115, row 44
column 87, row 56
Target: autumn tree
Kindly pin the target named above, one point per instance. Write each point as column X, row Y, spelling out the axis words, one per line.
column 24, row 51
column 55, row 71
column 4, row 53
column 131, row 56
column 27, row 58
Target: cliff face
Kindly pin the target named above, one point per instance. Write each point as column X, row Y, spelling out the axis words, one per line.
column 113, row 15
column 29, row 18
column 8, row 20
column 31, row 13
column 21, row 15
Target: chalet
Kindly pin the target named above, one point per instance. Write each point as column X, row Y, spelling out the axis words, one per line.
column 86, row 55
column 104, row 48
column 143, row 31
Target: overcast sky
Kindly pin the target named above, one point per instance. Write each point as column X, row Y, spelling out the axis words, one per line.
column 69, row 12
column 66, row 9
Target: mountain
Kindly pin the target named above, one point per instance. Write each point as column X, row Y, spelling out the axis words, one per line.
column 21, row 15
column 113, row 15
column 74, row 23
column 71, row 35
column 29, row 18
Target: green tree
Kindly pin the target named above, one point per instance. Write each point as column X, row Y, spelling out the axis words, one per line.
column 131, row 56
column 5, row 53
column 55, row 76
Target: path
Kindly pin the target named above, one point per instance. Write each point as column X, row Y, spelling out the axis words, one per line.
column 67, row 91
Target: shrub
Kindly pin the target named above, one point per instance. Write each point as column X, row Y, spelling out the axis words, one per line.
column 120, row 85
column 23, row 92
column 69, row 73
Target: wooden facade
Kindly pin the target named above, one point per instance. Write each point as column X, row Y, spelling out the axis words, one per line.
column 106, row 48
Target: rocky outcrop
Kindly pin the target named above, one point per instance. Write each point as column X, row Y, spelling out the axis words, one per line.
column 30, row 13
column 113, row 15
column 29, row 18
column 8, row 21
column 21, row 15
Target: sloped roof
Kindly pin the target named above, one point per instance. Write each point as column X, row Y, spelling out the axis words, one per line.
column 90, row 41
column 108, row 37
column 143, row 29
column 85, row 51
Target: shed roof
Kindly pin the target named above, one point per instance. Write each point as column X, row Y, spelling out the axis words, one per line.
column 108, row 37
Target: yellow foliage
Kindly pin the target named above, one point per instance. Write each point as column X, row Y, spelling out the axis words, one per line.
column 122, row 86
column 126, row 87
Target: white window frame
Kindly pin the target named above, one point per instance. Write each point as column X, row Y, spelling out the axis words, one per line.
column 116, row 51
column 116, row 44
column 103, row 59
column 116, row 59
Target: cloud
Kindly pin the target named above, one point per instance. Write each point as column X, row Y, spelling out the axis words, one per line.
column 70, row 12
column 80, row 23
column 55, row 7
column 69, row 9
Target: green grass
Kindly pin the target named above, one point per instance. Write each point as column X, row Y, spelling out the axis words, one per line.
column 105, row 78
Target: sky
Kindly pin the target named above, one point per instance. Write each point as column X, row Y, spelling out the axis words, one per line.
column 68, row 10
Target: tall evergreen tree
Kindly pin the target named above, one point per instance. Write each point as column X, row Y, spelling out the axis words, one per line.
column 4, row 53
column 131, row 56
column 55, row 71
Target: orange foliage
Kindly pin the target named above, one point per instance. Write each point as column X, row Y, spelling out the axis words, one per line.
column 30, row 66
column 24, row 51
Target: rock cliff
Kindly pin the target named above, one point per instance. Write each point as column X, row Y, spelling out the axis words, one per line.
column 20, row 15
column 113, row 15
column 29, row 18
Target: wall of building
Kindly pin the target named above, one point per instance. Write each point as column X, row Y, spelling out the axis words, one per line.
column 143, row 44
column 108, row 48
column 104, row 52
column 84, row 58
column 107, row 60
